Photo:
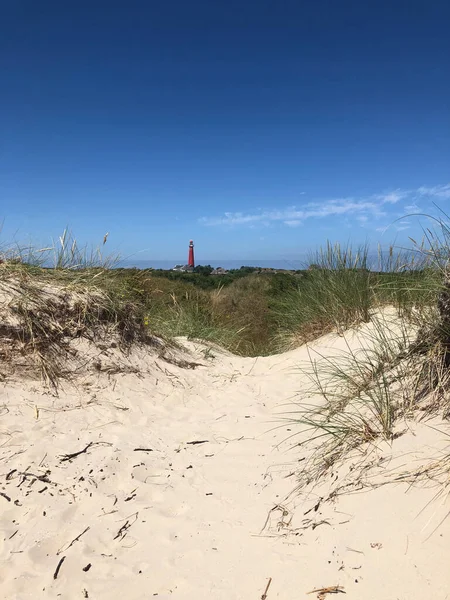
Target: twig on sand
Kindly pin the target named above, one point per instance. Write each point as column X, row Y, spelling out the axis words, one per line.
column 125, row 527
column 75, row 454
column 123, row 531
column 63, row 549
column 322, row 592
column 195, row 442
column 264, row 596
column 55, row 574
column 44, row 478
column 143, row 450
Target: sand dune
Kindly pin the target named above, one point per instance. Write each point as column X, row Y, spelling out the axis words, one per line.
column 184, row 490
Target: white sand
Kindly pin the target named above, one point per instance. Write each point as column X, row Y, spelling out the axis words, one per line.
column 187, row 521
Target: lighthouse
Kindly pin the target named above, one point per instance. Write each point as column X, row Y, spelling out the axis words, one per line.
column 191, row 261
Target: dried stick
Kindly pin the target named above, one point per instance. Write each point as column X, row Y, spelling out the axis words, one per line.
column 72, row 542
column 55, row 574
column 264, row 596
column 75, row 454
column 195, row 442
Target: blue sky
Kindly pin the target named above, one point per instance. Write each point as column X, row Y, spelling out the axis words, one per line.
column 260, row 129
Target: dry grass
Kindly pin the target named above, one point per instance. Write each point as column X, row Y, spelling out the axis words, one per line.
column 40, row 318
column 400, row 372
column 356, row 397
column 42, row 308
column 64, row 291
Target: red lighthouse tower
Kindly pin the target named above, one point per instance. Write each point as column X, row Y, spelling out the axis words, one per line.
column 191, row 261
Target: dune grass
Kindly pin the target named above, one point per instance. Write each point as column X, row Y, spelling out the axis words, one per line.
column 50, row 296
column 356, row 396
column 398, row 370
column 252, row 313
column 64, row 254
column 339, row 291
column 400, row 308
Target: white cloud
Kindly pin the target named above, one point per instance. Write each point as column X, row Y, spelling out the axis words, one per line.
column 392, row 197
column 361, row 209
column 232, row 219
column 397, row 226
column 413, row 208
column 294, row 216
column 438, row 191
column 402, row 225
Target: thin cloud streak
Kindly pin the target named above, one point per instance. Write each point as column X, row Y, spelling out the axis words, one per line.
column 362, row 210
column 438, row 191
column 294, row 215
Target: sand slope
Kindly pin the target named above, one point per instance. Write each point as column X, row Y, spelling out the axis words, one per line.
column 201, row 520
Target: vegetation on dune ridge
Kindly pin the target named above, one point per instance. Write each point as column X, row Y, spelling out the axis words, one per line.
column 396, row 373
column 402, row 310
column 248, row 311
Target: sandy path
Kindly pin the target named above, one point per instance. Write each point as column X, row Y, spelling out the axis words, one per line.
column 184, row 520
